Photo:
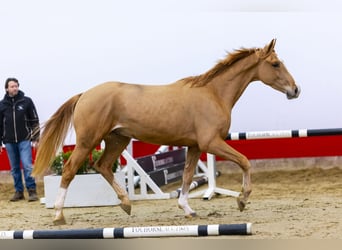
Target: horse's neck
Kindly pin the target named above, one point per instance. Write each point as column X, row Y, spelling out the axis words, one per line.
column 232, row 83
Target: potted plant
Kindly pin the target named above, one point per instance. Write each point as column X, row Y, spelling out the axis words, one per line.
column 88, row 188
column 87, row 166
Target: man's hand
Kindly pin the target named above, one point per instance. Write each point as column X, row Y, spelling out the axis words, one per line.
column 34, row 144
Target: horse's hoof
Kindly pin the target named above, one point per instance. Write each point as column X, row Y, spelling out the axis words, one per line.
column 241, row 204
column 192, row 215
column 58, row 222
column 126, row 208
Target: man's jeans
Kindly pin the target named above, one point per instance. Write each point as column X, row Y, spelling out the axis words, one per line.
column 21, row 152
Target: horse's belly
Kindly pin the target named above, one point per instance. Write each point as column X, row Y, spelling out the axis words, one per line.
column 156, row 137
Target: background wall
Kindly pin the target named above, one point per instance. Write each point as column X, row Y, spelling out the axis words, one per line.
column 59, row 48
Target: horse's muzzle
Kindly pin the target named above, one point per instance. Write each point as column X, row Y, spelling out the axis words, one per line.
column 293, row 94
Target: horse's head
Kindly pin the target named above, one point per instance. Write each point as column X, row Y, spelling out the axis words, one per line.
column 273, row 72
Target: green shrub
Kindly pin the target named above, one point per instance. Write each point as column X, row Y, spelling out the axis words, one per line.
column 86, row 168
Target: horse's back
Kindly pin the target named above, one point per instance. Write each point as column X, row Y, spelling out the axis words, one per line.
column 105, row 93
column 123, row 101
column 130, row 95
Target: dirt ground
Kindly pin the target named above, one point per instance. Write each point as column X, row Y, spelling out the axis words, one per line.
column 286, row 203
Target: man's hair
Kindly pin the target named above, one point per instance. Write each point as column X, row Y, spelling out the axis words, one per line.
column 11, row 79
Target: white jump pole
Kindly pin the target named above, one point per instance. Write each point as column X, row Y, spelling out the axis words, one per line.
column 272, row 134
column 132, row 232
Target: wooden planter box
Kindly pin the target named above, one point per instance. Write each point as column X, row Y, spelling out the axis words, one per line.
column 84, row 190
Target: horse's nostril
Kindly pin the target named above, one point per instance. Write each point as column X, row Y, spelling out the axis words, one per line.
column 296, row 90
column 293, row 93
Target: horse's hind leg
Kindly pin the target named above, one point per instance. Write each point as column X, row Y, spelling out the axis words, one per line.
column 70, row 169
column 114, row 145
column 192, row 158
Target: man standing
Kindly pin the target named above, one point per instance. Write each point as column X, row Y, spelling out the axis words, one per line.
column 18, row 121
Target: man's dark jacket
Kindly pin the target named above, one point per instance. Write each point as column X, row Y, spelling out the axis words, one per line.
column 18, row 119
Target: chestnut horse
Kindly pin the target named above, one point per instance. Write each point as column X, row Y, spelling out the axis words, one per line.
column 194, row 112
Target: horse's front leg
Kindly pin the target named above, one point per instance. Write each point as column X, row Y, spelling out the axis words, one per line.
column 192, row 158
column 220, row 148
column 246, row 186
column 106, row 170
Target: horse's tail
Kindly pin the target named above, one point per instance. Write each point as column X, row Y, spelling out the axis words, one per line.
column 53, row 134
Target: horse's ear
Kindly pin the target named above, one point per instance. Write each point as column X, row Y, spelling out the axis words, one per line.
column 268, row 49
column 272, row 44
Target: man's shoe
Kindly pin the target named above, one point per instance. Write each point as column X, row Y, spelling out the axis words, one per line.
column 32, row 195
column 18, row 196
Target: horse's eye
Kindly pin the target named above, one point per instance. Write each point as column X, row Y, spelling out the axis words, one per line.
column 276, row 64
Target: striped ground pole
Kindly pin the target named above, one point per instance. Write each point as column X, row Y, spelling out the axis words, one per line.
column 194, row 184
column 133, row 232
column 283, row 134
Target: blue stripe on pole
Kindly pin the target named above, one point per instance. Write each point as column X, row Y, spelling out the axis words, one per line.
column 119, row 233
column 202, row 230
column 132, row 232
column 320, row 132
column 18, row 235
column 295, row 133
column 69, row 234
column 233, row 229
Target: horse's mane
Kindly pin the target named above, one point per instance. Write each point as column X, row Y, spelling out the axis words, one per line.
column 220, row 67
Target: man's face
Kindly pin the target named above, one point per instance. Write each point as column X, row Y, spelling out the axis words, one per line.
column 13, row 88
